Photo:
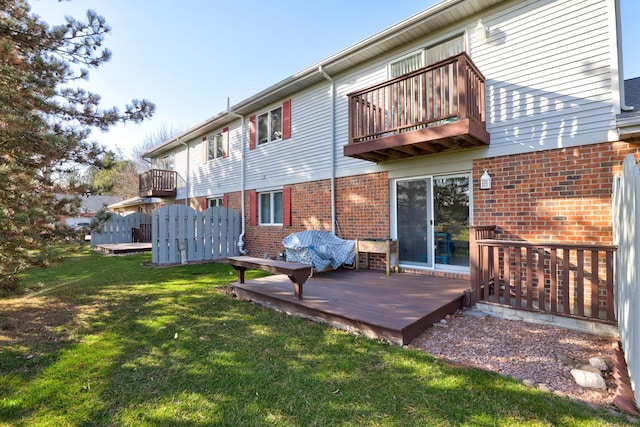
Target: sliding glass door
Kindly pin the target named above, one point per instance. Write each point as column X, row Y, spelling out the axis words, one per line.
column 413, row 221
column 432, row 221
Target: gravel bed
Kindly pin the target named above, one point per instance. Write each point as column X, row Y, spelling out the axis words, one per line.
column 541, row 356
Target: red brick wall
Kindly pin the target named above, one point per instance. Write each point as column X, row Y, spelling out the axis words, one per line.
column 362, row 210
column 310, row 210
column 559, row 195
column 362, row 206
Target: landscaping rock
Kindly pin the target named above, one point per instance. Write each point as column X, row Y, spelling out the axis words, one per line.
column 588, row 378
column 598, row 362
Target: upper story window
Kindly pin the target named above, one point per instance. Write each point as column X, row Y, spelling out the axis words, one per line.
column 217, row 145
column 430, row 55
column 272, row 125
column 406, row 65
column 168, row 162
column 445, row 50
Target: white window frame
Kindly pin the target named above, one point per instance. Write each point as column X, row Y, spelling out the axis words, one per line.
column 215, row 201
column 403, row 58
column 220, row 143
column 168, row 162
column 424, row 52
column 272, row 134
column 440, row 44
column 272, row 220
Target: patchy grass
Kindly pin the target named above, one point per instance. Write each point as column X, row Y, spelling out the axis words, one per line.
column 100, row 340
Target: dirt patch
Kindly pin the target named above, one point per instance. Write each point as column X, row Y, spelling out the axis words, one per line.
column 25, row 321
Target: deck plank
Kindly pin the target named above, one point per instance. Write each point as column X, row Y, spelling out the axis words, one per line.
column 396, row 308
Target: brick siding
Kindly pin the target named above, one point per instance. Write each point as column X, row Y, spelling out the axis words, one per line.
column 559, row 195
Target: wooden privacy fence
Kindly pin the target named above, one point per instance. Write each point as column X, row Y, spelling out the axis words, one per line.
column 557, row 278
column 119, row 229
column 626, row 231
column 179, row 234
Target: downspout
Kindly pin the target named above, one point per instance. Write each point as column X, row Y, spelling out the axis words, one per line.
column 188, row 183
column 333, row 148
column 241, row 248
column 618, row 76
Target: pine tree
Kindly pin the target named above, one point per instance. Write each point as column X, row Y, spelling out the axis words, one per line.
column 44, row 124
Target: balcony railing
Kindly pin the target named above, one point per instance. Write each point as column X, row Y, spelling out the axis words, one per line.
column 563, row 279
column 437, row 108
column 157, row 183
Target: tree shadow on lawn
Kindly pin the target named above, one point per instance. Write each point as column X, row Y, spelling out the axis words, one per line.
column 172, row 349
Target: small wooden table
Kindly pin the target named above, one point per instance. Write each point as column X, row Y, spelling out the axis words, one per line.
column 378, row 247
column 298, row 273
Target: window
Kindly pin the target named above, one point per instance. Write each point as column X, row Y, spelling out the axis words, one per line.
column 168, row 162
column 273, row 125
column 435, row 53
column 215, row 147
column 405, row 65
column 215, row 201
column 270, row 126
column 270, row 208
column 445, row 50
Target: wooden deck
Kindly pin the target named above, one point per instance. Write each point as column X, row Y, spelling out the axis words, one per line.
column 123, row 248
column 396, row 308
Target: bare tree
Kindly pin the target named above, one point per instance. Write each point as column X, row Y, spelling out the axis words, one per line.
column 152, row 140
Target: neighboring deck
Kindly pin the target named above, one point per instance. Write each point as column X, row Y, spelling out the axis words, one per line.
column 395, row 308
column 123, row 248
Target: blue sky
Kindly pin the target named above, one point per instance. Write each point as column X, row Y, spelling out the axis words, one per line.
column 188, row 56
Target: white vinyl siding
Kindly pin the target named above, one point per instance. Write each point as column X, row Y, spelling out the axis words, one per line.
column 303, row 157
column 548, row 86
column 547, row 66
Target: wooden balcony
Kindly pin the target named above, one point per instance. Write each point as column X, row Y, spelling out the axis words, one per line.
column 157, row 183
column 435, row 109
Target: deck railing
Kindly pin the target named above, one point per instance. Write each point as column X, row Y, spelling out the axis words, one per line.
column 563, row 279
column 157, row 182
column 450, row 90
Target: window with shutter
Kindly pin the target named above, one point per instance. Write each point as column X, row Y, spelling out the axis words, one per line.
column 218, row 145
column 272, row 125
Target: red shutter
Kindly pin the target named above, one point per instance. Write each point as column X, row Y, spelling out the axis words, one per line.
column 252, row 132
column 225, row 142
column 286, row 206
column 286, row 119
column 205, row 150
column 253, row 208
column 204, row 203
column 225, row 200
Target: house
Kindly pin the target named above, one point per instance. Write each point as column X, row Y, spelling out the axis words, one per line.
column 488, row 112
column 137, row 204
column 89, row 206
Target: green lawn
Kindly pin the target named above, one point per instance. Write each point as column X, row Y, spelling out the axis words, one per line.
column 102, row 340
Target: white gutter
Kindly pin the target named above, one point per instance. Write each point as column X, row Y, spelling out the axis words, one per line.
column 241, row 248
column 333, row 148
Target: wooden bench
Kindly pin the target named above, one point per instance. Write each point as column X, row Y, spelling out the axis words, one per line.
column 298, row 273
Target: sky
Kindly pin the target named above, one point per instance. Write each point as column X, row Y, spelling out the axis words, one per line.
column 190, row 56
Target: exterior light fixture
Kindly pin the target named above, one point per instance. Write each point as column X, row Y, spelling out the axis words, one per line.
column 482, row 32
column 485, row 181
